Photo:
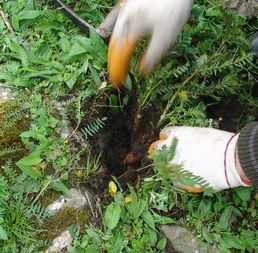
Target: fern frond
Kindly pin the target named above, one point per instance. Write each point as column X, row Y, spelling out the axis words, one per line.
column 3, row 187
column 238, row 62
column 10, row 150
column 92, row 128
column 39, row 212
column 174, row 172
column 181, row 70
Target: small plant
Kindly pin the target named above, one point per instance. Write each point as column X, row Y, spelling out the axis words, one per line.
column 129, row 226
column 210, row 59
column 18, row 217
column 59, row 75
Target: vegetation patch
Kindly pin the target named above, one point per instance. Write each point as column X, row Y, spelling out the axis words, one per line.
column 79, row 132
column 14, row 121
column 66, row 217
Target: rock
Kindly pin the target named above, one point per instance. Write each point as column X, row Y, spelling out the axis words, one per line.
column 60, row 242
column 254, row 39
column 78, row 200
column 5, row 94
column 183, row 241
column 248, row 8
column 64, row 209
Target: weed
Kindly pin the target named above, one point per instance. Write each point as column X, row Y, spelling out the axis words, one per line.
column 18, row 217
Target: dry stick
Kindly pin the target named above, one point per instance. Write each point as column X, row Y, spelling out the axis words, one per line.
column 86, row 195
column 6, row 20
column 51, row 181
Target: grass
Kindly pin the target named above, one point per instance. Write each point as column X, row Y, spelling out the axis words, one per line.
column 60, row 75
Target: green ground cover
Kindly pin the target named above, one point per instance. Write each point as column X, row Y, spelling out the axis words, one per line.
column 60, row 79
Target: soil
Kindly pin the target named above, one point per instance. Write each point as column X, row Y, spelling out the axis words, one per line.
column 126, row 137
column 231, row 115
column 124, row 143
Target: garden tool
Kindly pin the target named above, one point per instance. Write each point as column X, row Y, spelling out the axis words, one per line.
column 162, row 19
column 214, row 155
column 105, row 28
column 77, row 20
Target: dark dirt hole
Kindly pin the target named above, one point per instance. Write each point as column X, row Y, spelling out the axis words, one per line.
column 231, row 114
column 123, row 142
column 126, row 137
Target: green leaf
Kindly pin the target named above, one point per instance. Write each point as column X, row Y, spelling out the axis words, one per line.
column 226, row 217
column 19, row 50
column 3, row 234
column 162, row 243
column 95, row 75
column 29, row 134
column 29, row 14
column 60, row 187
column 232, row 241
column 77, row 49
column 65, row 45
column 141, row 204
column 85, row 66
column 39, row 60
column 148, row 218
column 128, row 83
column 163, row 219
column 243, row 193
column 32, row 159
column 208, row 237
column 2, row 25
column 152, row 236
column 94, row 236
column 15, row 22
column 48, row 24
column 29, row 170
column 112, row 215
column 43, row 73
column 70, row 79
column 5, row 76
column 30, row 5
column 114, row 107
column 204, row 207
column 117, row 243
column 92, row 249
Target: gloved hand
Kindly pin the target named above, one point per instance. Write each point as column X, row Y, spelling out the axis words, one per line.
column 205, row 152
column 163, row 19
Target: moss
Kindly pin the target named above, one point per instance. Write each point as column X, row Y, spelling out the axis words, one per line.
column 49, row 197
column 12, row 125
column 66, row 217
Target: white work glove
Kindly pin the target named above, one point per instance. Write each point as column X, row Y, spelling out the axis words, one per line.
column 163, row 19
column 201, row 151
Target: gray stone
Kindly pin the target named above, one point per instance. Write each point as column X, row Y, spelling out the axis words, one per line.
column 60, row 242
column 247, row 8
column 78, row 200
column 5, row 94
column 254, row 39
column 183, row 241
